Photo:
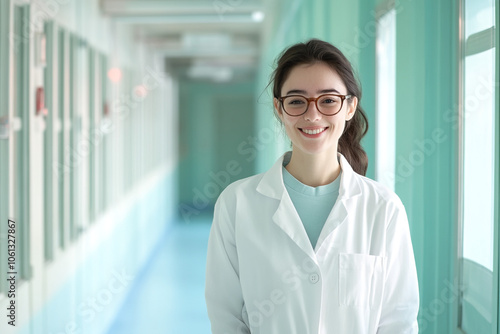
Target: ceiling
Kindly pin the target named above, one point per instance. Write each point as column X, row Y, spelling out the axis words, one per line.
column 216, row 40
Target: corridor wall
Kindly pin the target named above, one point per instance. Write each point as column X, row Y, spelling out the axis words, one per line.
column 97, row 168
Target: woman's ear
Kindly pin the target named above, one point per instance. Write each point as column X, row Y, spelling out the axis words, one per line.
column 351, row 108
column 277, row 108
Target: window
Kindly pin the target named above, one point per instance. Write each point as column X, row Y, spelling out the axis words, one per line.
column 478, row 164
column 50, row 141
column 64, row 162
column 82, row 143
column 93, row 90
column 19, row 164
column 386, row 104
column 4, row 141
column 104, row 188
column 75, row 121
column 107, row 145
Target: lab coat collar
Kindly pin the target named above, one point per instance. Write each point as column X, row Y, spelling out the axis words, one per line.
column 272, row 185
column 349, row 180
column 288, row 220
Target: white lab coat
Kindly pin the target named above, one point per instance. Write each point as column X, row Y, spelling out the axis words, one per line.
column 263, row 276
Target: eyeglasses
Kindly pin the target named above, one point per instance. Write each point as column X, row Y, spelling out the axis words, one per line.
column 327, row 104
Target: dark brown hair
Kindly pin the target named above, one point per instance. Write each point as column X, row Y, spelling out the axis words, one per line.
column 319, row 51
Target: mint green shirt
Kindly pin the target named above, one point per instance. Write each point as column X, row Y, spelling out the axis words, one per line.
column 313, row 204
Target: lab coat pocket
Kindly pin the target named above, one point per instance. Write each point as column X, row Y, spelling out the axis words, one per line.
column 361, row 280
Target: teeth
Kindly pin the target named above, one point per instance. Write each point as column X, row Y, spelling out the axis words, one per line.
column 313, row 132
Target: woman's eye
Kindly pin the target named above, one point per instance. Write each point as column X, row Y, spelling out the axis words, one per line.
column 296, row 102
column 329, row 101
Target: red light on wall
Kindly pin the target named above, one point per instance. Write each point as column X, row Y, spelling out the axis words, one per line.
column 40, row 102
column 105, row 109
column 115, row 74
column 140, row 91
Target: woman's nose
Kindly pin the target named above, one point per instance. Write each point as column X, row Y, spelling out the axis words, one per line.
column 312, row 112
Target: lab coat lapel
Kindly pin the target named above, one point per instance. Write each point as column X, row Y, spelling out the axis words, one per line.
column 337, row 216
column 348, row 192
column 285, row 216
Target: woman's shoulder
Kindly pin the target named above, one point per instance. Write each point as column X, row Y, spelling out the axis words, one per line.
column 378, row 191
column 242, row 186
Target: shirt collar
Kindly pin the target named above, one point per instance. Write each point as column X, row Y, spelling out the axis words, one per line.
column 272, row 185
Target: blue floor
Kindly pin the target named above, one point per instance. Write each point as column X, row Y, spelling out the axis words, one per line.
column 168, row 296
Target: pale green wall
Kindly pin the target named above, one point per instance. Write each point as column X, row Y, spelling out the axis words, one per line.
column 496, row 258
column 426, row 92
column 216, row 121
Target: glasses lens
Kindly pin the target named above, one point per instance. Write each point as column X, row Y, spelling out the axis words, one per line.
column 294, row 105
column 329, row 104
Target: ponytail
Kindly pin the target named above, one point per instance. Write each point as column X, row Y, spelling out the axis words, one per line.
column 350, row 142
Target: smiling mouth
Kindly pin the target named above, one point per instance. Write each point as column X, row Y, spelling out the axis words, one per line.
column 313, row 132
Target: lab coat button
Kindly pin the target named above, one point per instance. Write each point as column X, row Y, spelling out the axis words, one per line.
column 314, row 278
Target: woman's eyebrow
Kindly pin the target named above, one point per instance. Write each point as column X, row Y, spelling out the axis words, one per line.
column 323, row 91
column 331, row 90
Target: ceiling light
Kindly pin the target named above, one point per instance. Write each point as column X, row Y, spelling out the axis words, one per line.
column 258, row 16
column 215, row 73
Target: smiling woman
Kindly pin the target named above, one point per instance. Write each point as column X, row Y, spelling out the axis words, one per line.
column 327, row 69
column 312, row 220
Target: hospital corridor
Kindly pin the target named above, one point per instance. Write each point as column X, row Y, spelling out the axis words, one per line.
column 249, row 166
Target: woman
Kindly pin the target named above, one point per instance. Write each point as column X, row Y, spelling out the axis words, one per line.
column 312, row 246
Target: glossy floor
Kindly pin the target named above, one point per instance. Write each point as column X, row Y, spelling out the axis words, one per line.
column 168, row 296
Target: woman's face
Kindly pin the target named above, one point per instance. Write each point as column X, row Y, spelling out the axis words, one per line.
column 312, row 80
